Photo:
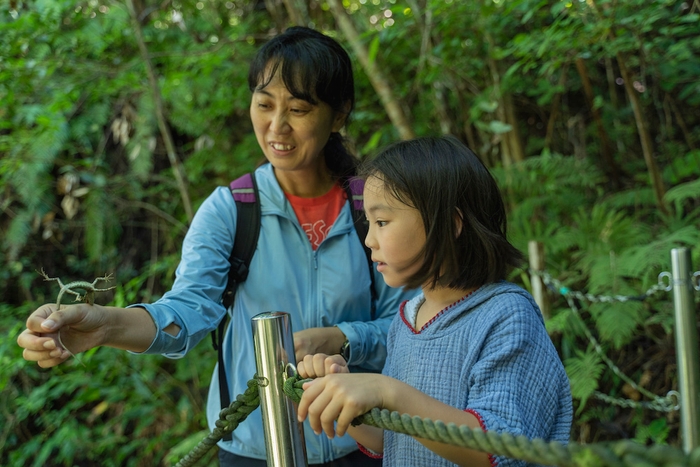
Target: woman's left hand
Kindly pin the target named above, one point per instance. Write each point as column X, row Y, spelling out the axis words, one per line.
column 318, row 340
column 340, row 397
column 320, row 364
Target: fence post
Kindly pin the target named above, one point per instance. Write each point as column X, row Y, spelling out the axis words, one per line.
column 686, row 347
column 274, row 349
column 535, row 252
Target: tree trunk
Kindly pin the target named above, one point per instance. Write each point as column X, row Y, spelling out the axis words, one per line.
column 612, row 90
column 511, row 142
column 554, row 111
column 657, row 183
column 379, row 81
column 687, row 135
column 516, row 140
column 612, row 168
column 644, row 137
column 274, row 8
column 160, row 114
column 298, row 12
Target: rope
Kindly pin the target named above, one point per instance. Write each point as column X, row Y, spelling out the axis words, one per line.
column 229, row 419
column 623, row 453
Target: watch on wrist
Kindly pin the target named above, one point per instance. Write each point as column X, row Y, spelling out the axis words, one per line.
column 345, row 351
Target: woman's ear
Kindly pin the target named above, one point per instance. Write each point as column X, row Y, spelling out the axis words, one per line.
column 340, row 117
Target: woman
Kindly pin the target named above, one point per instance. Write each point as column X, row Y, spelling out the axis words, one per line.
column 308, row 262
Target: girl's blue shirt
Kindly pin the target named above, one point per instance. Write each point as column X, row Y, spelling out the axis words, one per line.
column 489, row 354
column 326, row 287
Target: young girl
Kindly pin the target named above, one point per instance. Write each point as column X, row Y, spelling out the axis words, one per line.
column 471, row 349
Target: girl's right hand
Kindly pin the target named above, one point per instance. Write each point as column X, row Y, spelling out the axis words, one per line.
column 317, row 365
column 81, row 327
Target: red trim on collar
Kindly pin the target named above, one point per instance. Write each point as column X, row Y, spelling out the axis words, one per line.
column 492, row 458
column 369, row 453
column 403, row 317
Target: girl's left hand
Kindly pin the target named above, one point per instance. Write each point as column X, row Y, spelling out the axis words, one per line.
column 340, row 397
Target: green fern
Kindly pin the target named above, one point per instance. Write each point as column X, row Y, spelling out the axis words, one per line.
column 584, row 370
column 618, row 322
column 683, row 191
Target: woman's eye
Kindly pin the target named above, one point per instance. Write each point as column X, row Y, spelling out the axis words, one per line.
column 299, row 111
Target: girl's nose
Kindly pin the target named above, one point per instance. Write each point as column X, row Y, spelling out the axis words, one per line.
column 369, row 239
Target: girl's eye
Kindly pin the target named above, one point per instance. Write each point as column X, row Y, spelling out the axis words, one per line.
column 381, row 223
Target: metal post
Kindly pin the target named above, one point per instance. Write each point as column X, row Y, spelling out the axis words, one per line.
column 274, row 349
column 686, row 347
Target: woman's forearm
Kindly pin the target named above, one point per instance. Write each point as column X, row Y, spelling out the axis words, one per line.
column 132, row 329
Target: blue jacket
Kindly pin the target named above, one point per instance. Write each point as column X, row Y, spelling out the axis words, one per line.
column 325, row 287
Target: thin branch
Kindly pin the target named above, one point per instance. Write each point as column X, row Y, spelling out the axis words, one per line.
column 158, row 212
column 160, row 114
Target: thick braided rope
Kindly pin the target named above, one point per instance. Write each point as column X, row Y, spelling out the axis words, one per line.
column 229, row 419
column 621, row 453
column 615, row 454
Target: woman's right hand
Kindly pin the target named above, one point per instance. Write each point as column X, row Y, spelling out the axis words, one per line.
column 317, row 365
column 81, row 327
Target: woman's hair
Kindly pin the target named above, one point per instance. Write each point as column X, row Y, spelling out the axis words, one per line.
column 450, row 187
column 313, row 67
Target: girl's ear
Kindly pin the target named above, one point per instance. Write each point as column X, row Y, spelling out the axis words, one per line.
column 459, row 222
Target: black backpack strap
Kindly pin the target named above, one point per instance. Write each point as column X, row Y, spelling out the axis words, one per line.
column 245, row 192
column 354, row 190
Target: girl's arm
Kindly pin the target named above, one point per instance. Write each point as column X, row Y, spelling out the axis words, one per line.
column 344, row 396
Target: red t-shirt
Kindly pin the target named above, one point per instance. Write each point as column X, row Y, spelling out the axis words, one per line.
column 317, row 215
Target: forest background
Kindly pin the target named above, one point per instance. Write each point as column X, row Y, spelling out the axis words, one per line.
column 118, row 118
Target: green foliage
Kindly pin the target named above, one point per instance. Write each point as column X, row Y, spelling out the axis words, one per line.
column 118, row 410
column 655, row 432
column 86, row 187
column 584, row 370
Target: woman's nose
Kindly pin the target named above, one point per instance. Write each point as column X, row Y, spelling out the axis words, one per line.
column 279, row 123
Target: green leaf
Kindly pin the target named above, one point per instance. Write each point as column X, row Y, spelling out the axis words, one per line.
column 584, row 370
column 373, row 49
column 499, row 127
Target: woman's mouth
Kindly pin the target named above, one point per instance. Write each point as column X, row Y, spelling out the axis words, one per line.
column 282, row 147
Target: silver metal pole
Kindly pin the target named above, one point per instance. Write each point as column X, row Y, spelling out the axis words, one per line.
column 686, row 348
column 274, row 349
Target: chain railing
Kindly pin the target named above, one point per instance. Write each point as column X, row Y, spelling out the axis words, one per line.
column 667, row 403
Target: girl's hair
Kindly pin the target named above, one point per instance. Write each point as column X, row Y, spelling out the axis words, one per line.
column 313, row 67
column 450, row 187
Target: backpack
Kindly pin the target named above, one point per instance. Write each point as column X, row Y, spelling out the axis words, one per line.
column 245, row 193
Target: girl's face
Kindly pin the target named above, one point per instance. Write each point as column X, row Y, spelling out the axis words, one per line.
column 396, row 234
column 291, row 132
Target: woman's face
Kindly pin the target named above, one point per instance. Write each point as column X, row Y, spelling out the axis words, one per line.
column 292, row 132
column 396, row 234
